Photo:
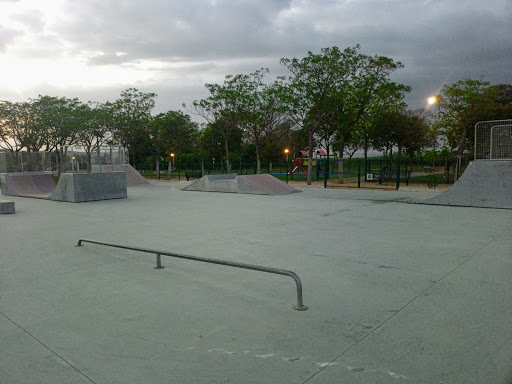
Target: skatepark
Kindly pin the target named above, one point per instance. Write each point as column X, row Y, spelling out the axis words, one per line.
column 396, row 291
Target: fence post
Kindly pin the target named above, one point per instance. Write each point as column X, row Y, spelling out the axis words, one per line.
column 326, row 172
column 398, row 171
column 359, row 174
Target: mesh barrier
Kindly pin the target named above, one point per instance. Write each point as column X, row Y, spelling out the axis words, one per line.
column 77, row 158
column 26, row 161
column 74, row 159
column 501, row 142
column 483, row 132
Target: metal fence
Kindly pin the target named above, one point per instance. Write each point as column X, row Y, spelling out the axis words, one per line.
column 26, row 161
column 489, row 139
column 501, row 142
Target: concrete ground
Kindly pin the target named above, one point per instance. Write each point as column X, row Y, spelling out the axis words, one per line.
column 397, row 292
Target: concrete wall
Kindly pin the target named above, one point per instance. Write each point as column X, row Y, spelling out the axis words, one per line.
column 80, row 187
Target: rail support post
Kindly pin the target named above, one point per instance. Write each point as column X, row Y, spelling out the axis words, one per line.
column 158, row 262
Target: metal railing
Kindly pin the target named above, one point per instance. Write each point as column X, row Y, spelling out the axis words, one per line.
column 299, row 307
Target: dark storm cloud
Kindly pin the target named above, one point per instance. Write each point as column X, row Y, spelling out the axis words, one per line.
column 438, row 41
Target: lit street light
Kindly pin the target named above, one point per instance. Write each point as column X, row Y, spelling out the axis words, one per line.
column 286, row 151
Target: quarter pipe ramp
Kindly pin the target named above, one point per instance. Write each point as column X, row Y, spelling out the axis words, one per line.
column 484, row 183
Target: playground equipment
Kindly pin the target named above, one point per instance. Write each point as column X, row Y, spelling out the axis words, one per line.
column 302, row 160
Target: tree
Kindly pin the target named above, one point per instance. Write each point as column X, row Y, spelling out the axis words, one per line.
column 314, row 80
column 94, row 124
column 353, row 143
column 415, row 136
column 503, row 102
column 57, row 118
column 132, row 117
column 15, row 123
column 369, row 85
column 463, row 104
column 220, row 109
column 173, row 132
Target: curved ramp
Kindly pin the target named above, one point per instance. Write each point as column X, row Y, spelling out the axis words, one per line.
column 250, row 184
column 484, row 183
column 72, row 187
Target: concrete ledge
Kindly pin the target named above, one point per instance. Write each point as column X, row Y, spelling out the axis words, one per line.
column 6, row 207
column 80, row 187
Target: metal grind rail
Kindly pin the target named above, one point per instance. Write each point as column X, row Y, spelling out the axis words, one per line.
column 299, row 307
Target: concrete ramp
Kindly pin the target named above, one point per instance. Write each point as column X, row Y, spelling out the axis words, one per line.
column 72, row 187
column 484, row 183
column 132, row 176
column 28, row 184
column 249, row 184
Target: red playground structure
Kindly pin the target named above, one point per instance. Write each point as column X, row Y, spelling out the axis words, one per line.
column 299, row 162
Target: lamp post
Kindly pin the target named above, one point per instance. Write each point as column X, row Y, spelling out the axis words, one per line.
column 286, row 151
column 172, row 165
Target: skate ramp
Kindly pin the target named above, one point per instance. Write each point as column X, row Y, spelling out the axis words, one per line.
column 248, row 184
column 484, row 183
column 72, row 187
column 132, row 176
column 28, row 184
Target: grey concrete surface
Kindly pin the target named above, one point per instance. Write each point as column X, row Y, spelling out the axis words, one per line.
column 81, row 187
column 6, row 207
column 263, row 184
column 133, row 177
column 485, row 183
column 397, row 292
column 72, row 187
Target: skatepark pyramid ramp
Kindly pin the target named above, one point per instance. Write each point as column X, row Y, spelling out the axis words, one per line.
column 484, row 183
column 250, row 184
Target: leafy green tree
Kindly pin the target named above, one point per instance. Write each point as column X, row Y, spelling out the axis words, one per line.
column 131, row 115
column 57, row 118
column 16, row 122
column 503, row 102
column 369, row 85
column 173, row 132
column 461, row 105
column 415, row 136
column 313, row 82
column 94, row 124
column 220, row 109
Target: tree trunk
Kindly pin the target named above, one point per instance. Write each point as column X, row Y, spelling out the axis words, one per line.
column 310, row 153
column 228, row 164
column 157, row 164
column 365, row 156
column 89, row 160
column 258, row 156
column 270, row 166
column 14, row 155
column 169, row 169
column 341, row 149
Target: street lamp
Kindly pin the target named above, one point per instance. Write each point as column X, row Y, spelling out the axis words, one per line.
column 172, row 165
column 432, row 100
column 286, row 151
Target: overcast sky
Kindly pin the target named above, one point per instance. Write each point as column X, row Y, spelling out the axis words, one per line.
column 93, row 49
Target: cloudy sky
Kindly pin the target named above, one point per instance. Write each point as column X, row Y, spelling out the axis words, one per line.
column 93, row 49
